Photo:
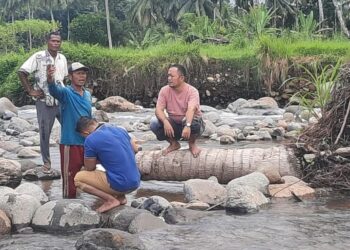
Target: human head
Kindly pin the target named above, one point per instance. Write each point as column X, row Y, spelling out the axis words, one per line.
column 176, row 75
column 86, row 125
column 54, row 41
column 78, row 74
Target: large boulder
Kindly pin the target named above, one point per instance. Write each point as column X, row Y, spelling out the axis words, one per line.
column 20, row 208
column 182, row 215
column 7, row 105
column 62, row 216
column 21, row 125
column 292, row 186
column 37, row 173
column 116, row 104
column 108, row 239
column 145, row 222
column 207, row 191
column 10, row 173
column 33, row 190
column 10, row 146
column 156, row 204
column 256, row 180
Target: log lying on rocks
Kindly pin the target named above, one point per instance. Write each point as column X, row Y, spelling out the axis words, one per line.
column 225, row 164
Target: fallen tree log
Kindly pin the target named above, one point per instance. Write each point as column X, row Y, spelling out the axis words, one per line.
column 225, row 164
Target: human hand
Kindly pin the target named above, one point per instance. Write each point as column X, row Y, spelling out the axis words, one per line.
column 50, row 73
column 186, row 133
column 168, row 129
column 36, row 93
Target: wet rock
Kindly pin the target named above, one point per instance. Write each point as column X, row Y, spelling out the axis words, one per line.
column 206, row 191
column 272, row 174
column 108, row 239
column 25, row 230
column 197, row 205
column 38, row 174
column 145, row 222
column 120, row 217
column 7, row 105
column 242, row 199
column 20, row 208
column 116, row 104
column 177, row 204
column 182, row 215
column 156, row 204
column 5, row 223
column 10, row 173
column 291, row 185
column 137, row 203
column 278, row 132
column 33, row 190
column 65, row 216
column 213, row 116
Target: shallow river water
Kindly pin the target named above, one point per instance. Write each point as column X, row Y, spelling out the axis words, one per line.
column 319, row 223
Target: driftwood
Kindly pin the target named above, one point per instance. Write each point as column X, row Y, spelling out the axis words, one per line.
column 225, row 164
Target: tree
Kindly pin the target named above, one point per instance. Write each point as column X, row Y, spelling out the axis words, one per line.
column 340, row 18
column 108, row 25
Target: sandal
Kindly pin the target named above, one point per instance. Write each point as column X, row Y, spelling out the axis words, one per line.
column 46, row 169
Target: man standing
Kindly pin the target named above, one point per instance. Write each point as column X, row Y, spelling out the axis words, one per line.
column 46, row 106
column 184, row 120
column 75, row 102
column 115, row 150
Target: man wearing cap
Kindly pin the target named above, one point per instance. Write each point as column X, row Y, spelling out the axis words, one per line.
column 75, row 102
column 46, row 106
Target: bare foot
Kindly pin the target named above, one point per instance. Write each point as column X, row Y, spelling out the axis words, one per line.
column 195, row 151
column 108, row 205
column 171, row 148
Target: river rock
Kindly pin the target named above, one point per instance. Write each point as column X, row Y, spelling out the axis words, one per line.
column 28, row 134
column 65, row 216
column 7, row 105
column 294, row 126
column 27, row 153
column 182, row 215
column 294, row 109
column 145, row 222
column 242, row 199
column 226, row 130
column 21, row 125
column 226, row 139
column 156, row 204
column 33, row 190
column 148, row 136
column 100, row 116
column 292, row 185
column 288, row 117
column 209, row 129
column 5, row 223
column 10, row 173
column 206, row 191
column 7, row 190
column 137, row 203
column 206, row 109
column 344, row 152
column 11, row 132
column 261, row 103
column 27, row 164
column 236, row 105
column 37, row 173
column 120, row 217
column 8, row 115
column 2, row 152
column 197, row 205
column 108, row 239
column 256, row 180
column 213, row 116
column 10, row 146
column 20, row 208
column 116, row 104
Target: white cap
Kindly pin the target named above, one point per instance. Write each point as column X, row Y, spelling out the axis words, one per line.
column 77, row 66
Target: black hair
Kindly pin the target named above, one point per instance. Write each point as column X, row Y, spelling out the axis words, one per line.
column 180, row 68
column 53, row 33
column 83, row 123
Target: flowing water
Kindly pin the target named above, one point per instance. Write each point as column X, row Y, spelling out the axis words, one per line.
column 319, row 223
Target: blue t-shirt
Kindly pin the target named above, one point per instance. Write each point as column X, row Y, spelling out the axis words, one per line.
column 73, row 106
column 111, row 146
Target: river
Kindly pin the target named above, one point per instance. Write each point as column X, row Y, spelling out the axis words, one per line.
column 319, row 223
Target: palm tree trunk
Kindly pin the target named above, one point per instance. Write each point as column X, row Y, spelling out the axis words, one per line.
column 108, row 25
column 68, row 24
column 29, row 32
column 340, row 18
column 52, row 17
column 225, row 164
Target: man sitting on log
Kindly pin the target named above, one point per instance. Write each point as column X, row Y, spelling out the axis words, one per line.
column 184, row 120
column 115, row 150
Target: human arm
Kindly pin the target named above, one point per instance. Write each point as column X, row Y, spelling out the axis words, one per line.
column 160, row 114
column 134, row 145
column 55, row 90
column 23, row 77
column 90, row 163
column 192, row 107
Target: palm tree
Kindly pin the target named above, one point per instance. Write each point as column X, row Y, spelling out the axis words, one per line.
column 10, row 6
column 340, row 18
column 108, row 25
